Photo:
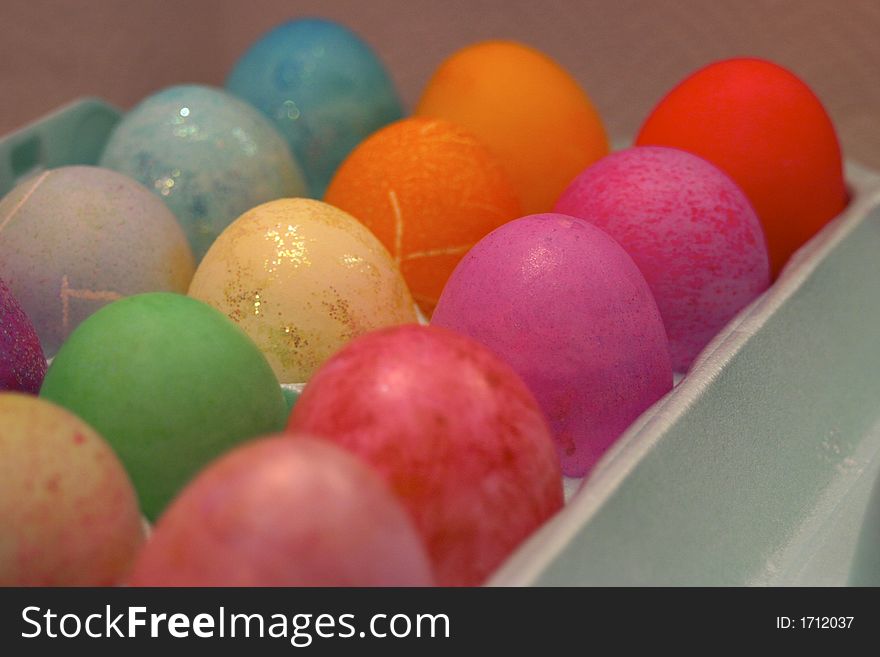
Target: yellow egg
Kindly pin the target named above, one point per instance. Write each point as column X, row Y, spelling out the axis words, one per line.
column 302, row 278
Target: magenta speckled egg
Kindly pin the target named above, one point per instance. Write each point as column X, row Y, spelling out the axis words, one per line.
column 565, row 305
column 689, row 228
column 22, row 363
column 452, row 429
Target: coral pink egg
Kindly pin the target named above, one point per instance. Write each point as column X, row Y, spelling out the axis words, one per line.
column 568, row 309
column 689, row 228
column 284, row 511
column 454, row 431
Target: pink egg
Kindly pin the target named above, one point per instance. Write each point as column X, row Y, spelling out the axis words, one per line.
column 22, row 363
column 454, row 431
column 689, row 228
column 564, row 304
column 284, row 512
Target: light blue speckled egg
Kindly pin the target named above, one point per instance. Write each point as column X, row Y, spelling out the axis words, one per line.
column 324, row 88
column 208, row 155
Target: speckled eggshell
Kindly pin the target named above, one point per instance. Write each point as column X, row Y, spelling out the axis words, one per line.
column 170, row 383
column 455, row 433
column 75, row 238
column 302, row 277
column 689, row 228
column 68, row 512
column 207, row 154
column 22, row 363
column 284, row 512
column 322, row 86
column 568, row 309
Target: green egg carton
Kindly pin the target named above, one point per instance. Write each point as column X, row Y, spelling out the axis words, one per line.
column 759, row 468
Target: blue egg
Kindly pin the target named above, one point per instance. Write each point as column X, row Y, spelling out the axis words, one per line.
column 324, row 88
column 207, row 154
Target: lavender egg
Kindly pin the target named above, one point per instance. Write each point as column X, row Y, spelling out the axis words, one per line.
column 22, row 363
column 568, row 309
column 690, row 229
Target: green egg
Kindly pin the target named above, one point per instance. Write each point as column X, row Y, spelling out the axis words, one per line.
column 170, row 383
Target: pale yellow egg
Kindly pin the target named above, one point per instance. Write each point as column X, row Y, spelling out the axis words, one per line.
column 302, row 278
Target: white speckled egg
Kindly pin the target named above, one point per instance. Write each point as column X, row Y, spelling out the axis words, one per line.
column 302, row 278
column 75, row 238
column 209, row 155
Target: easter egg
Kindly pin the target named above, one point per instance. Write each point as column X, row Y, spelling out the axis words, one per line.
column 68, row 512
column 569, row 310
column 322, row 86
column 528, row 109
column 689, row 228
column 75, row 238
column 768, row 131
column 302, row 278
column 207, row 154
column 170, row 383
column 284, row 511
column 455, row 433
column 22, row 363
column 429, row 191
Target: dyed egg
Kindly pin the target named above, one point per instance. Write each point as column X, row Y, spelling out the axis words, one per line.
column 322, row 86
column 208, row 155
column 75, row 238
column 170, row 383
column 302, row 278
column 284, row 511
column 429, row 191
column 455, row 433
column 568, row 309
column 22, row 363
column 768, row 131
column 690, row 230
column 528, row 109
column 68, row 512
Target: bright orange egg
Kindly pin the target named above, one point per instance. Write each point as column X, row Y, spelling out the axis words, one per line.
column 529, row 110
column 429, row 190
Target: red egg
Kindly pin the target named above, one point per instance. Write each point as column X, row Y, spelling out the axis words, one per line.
column 766, row 129
column 282, row 512
column 454, row 431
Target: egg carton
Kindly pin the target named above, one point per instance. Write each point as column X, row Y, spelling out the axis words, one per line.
column 756, row 469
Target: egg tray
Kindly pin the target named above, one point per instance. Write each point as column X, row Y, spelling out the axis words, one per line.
column 756, row 469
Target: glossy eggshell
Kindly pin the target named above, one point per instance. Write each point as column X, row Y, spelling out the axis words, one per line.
column 68, row 512
column 455, row 433
column 429, row 190
column 207, row 154
column 22, row 363
column 568, row 309
column 170, row 383
column 302, row 278
column 689, row 228
column 75, row 238
column 766, row 129
column 526, row 108
column 284, row 511
column 322, row 86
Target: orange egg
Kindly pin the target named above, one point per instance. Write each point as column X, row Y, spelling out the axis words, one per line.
column 429, row 190
column 526, row 108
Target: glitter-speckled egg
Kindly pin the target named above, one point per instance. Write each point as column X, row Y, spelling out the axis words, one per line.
column 68, row 512
column 570, row 311
column 302, row 277
column 429, row 190
column 524, row 106
column 324, row 88
column 689, row 228
column 75, row 238
column 170, row 383
column 22, row 363
column 209, row 155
